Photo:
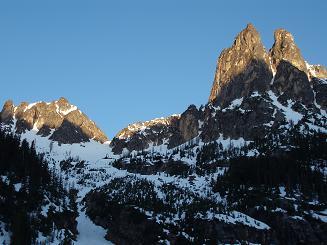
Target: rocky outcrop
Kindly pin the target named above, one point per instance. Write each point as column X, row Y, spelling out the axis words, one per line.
column 284, row 48
column 254, row 93
column 241, row 69
column 189, row 123
column 59, row 119
column 76, row 127
column 320, row 92
column 249, row 119
column 69, row 133
column 172, row 131
column 246, row 67
column 292, row 83
column 7, row 112
column 318, row 71
column 141, row 135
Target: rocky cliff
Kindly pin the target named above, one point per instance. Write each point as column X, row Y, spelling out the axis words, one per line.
column 284, row 48
column 171, row 131
column 247, row 67
column 58, row 120
column 242, row 68
column 255, row 93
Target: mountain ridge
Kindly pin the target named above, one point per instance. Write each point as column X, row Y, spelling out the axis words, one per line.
column 270, row 80
column 242, row 69
column 61, row 120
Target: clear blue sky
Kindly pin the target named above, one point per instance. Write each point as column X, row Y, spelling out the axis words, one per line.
column 126, row 61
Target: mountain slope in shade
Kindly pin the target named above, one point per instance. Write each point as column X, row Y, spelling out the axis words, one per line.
column 59, row 120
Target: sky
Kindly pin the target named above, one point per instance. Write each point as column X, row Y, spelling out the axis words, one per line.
column 126, row 61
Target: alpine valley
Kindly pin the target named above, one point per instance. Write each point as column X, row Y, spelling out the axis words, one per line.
column 248, row 167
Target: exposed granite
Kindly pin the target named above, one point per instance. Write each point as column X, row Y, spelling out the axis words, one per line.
column 63, row 121
column 241, row 69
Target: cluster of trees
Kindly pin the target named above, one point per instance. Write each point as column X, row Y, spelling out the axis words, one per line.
column 169, row 205
column 254, row 182
column 293, row 168
column 26, row 186
column 285, row 178
column 133, row 191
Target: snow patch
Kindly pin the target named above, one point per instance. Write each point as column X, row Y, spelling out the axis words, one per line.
column 31, row 105
column 289, row 113
column 234, row 104
column 322, row 216
column 236, row 217
column 18, row 186
column 89, row 233
column 4, row 235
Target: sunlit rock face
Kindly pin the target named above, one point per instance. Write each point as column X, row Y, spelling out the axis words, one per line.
column 254, row 93
column 242, row 68
column 284, row 48
column 247, row 67
column 318, row 71
column 7, row 112
column 60, row 120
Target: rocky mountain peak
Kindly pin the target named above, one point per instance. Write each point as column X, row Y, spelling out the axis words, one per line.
column 249, row 38
column 318, row 71
column 59, row 120
column 242, row 68
column 63, row 102
column 8, row 104
column 284, row 48
column 254, row 93
column 7, row 111
column 246, row 67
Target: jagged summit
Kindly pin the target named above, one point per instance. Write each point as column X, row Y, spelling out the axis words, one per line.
column 59, row 120
column 255, row 93
column 63, row 102
column 7, row 111
column 241, row 68
column 249, row 36
column 247, row 67
column 284, row 48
